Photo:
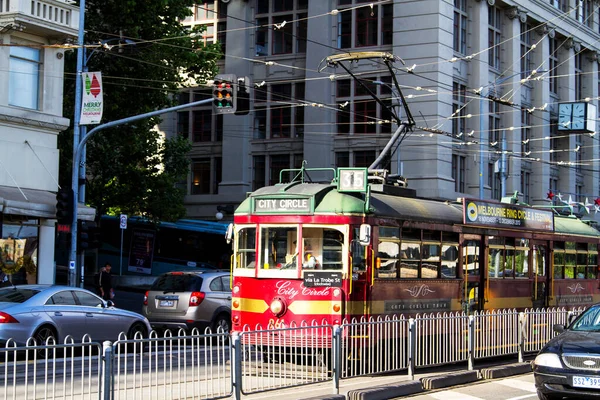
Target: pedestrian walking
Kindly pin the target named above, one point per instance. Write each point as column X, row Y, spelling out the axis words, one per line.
column 105, row 283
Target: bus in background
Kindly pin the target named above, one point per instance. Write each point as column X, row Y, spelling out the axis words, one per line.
column 150, row 249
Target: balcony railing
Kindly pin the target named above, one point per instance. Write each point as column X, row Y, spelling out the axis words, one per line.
column 39, row 16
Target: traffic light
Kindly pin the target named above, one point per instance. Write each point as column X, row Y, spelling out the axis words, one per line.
column 243, row 96
column 64, row 206
column 224, row 94
column 83, row 236
column 88, row 236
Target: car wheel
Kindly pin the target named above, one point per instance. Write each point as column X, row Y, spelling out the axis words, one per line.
column 222, row 321
column 135, row 329
column 132, row 334
column 45, row 335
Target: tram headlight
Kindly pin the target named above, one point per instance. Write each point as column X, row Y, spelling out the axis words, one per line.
column 336, row 308
column 277, row 307
column 336, row 292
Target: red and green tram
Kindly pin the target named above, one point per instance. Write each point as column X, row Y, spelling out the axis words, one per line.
column 354, row 247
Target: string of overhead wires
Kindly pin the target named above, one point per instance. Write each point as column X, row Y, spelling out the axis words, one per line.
column 293, row 102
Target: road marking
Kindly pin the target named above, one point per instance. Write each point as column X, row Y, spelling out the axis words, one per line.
column 452, row 395
column 518, row 384
column 527, row 396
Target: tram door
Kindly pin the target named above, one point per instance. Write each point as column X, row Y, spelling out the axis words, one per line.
column 541, row 275
column 360, row 281
column 473, row 278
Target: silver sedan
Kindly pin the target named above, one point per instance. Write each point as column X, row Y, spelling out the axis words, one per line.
column 44, row 311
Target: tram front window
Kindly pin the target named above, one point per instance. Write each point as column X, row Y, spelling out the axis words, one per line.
column 279, row 247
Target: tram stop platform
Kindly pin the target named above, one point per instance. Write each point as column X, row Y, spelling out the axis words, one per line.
column 392, row 386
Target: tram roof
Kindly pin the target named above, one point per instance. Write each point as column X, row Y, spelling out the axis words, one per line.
column 573, row 226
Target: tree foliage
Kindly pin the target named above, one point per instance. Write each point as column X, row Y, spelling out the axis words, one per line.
column 131, row 168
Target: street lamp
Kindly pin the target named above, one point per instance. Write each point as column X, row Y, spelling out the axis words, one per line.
column 481, row 114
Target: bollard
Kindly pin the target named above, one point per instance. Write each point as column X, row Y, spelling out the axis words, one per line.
column 336, row 356
column 412, row 347
column 107, row 373
column 471, row 343
column 521, row 335
column 236, row 365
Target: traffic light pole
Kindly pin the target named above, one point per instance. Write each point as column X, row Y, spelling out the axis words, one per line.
column 75, row 177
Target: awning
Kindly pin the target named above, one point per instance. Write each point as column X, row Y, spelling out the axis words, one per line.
column 35, row 204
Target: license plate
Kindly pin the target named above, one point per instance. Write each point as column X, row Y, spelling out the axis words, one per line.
column 166, row 303
column 586, row 382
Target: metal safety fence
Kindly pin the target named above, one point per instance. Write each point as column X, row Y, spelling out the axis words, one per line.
column 210, row 365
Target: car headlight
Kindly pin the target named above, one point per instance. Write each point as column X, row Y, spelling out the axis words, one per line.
column 548, row 360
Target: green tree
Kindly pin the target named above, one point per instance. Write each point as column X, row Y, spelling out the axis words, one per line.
column 131, row 168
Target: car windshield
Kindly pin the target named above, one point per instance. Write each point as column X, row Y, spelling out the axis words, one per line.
column 588, row 321
column 177, row 283
column 16, row 295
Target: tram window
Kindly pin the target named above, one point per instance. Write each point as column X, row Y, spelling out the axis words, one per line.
column 410, row 257
column 521, row 263
column 431, row 261
column 389, row 232
column 496, row 240
column 582, row 262
column 509, row 264
column 388, row 252
column 471, row 257
column 358, row 253
column 496, row 263
column 333, row 245
column 592, row 266
column 411, row 234
column 246, row 248
column 449, row 260
column 450, row 237
column 435, row 236
column 277, row 247
column 570, row 263
column 559, row 263
column 570, row 245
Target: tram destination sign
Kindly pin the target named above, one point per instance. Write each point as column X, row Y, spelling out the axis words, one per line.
column 500, row 215
column 322, row 279
column 282, row 205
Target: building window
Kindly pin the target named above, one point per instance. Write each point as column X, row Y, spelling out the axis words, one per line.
column 525, row 132
column 364, row 158
column 559, row 4
column 201, row 130
column 584, row 12
column 494, row 36
column 259, row 169
column 459, row 95
column 553, row 65
column 553, row 185
column 525, row 184
column 201, row 176
column 494, row 121
column 359, row 26
column 276, row 111
column 357, row 112
column 278, row 163
column 460, row 26
column 183, row 123
column 277, row 28
column 24, row 77
column 222, row 36
column 494, row 181
column 218, row 174
column 342, row 159
column 578, row 76
column 554, row 146
column 459, row 172
column 526, row 51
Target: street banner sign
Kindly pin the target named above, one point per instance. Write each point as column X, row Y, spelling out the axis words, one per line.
column 91, row 98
